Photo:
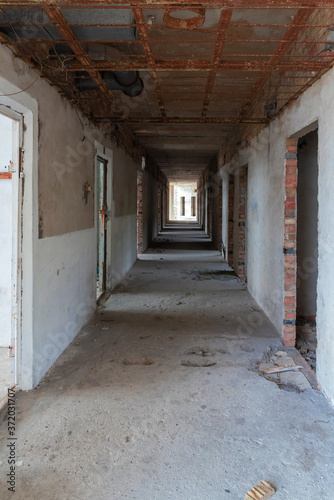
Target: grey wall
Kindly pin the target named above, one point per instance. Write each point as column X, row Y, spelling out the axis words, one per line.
column 236, row 221
column 59, row 226
column 150, row 209
column 122, row 204
column 307, row 225
column 215, row 217
column 265, row 157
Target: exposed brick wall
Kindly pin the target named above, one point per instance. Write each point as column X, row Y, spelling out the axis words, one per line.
column 290, row 243
column 241, row 270
column 230, row 220
column 139, row 212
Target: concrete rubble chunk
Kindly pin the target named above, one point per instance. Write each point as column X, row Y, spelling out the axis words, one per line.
column 285, row 361
column 296, row 379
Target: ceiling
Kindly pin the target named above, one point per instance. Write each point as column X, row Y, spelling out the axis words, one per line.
column 209, row 70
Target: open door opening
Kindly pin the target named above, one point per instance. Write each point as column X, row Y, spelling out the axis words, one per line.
column 9, row 199
column 307, row 245
column 241, row 232
column 183, row 202
column 101, row 205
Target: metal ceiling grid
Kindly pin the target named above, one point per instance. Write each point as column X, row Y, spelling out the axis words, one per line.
column 204, row 65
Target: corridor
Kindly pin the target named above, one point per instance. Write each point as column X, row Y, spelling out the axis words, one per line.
column 159, row 396
column 167, row 249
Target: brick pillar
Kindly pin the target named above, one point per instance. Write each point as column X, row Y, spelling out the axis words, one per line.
column 290, row 243
column 230, row 220
column 139, row 212
column 242, row 223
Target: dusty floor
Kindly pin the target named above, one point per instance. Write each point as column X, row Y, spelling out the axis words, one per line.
column 123, row 415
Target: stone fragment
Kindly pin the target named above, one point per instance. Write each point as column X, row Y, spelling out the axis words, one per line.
column 281, row 353
column 296, row 379
column 285, row 361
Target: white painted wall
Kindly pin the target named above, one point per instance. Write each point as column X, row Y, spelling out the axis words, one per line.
column 265, row 264
column 6, row 209
column 59, row 271
column 65, row 295
column 123, row 224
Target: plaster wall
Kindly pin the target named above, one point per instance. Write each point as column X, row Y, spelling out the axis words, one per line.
column 122, row 213
column 265, row 209
column 215, row 214
column 59, row 225
column 150, row 209
column 236, row 220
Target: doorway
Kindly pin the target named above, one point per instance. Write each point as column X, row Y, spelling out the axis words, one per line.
column 9, row 199
column 230, row 237
column 182, row 204
column 307, row 244
column 241, row 269
column 101, row 207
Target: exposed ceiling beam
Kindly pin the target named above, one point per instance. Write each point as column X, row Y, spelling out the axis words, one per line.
column 213, row 4
column 65, row 30
column 192, row 65
column 290, row 35
column 164, row 121
column 188, row 41
column 223, row 26
column 145, row 38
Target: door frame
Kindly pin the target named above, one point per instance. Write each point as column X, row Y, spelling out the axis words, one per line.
column 15, row 284
column 290, row 232
column 105, row 161
column 23, row 110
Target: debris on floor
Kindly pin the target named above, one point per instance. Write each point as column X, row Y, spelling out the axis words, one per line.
column 201, row 351
column 281, row 369
column 199, row 363
column 144, row 361
column 261, row 491
column 306, row 341
column 205, row 275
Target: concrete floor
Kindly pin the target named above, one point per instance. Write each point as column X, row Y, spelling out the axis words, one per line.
column 123, row 415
